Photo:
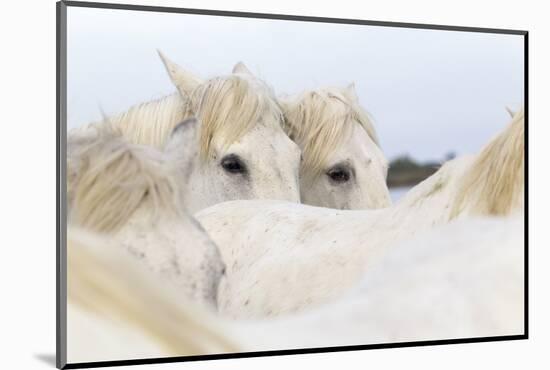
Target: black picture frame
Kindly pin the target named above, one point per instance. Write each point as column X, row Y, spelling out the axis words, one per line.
column 61, row 214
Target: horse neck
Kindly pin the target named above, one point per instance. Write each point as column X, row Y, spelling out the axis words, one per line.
column 488, row 184
column 113, row 285
column 436, row 200
column 426, row 205
column 152, row 122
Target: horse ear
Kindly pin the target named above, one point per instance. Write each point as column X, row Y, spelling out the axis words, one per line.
column 183, row 144
column 510, row 112
column 184, row 81
column 350, row 92
column 241, row 68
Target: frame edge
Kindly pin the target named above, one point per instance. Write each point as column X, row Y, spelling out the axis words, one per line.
column 61, row 224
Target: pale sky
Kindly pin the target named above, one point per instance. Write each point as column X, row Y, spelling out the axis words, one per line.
column 429, row 91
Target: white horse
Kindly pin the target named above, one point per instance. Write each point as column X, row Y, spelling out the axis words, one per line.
column 135, row 195
column 127, row 219
column 463, row 280
column 343, row 166
column 118, row 309
column 286, row 257
column 242, row 150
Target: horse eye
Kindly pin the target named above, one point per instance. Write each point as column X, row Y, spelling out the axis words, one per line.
column 339, row 175
column 233, row 164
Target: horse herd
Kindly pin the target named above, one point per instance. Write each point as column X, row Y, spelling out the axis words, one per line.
column 225, row 219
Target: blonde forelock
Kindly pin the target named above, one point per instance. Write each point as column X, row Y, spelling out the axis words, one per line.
column 320, row 122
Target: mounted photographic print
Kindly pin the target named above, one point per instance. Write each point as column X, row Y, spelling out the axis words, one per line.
column 237, row 184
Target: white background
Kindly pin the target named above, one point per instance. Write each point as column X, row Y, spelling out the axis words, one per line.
column 27, row 325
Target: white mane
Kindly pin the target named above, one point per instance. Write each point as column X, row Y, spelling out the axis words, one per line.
column 320, row 121
column 490, row 183
column 494, row 183
column 111, row 289
column 150, row 123
column 109, row 178
column 226, row 107
column 229, row 107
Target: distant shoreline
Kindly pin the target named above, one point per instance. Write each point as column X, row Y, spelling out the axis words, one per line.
column 405, row 172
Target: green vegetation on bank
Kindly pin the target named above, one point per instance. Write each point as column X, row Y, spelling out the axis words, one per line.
column 405, row 171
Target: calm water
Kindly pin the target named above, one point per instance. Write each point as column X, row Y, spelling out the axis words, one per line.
column 398, row 193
